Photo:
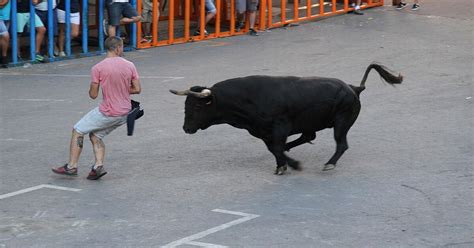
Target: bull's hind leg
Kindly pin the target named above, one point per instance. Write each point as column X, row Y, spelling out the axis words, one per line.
column 342, row 125
column 304, row 138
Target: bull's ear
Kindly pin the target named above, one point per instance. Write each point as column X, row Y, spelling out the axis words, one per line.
column 211, row 99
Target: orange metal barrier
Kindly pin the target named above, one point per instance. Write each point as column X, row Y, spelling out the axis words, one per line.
column 178, row 19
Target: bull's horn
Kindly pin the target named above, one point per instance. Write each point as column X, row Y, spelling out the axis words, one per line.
column 180, row 93
column 203, row 94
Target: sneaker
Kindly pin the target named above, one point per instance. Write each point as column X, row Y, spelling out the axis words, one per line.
column 199, row 33
column 358, row 12
column 352, row 5
column 252, row 32
column 239, row 26
column 415, row 7
column 96, row 173
column 39, row 58
column 65, row 170
column 401, row 5
column 62, row 54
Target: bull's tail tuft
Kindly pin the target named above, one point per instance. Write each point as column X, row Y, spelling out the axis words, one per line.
column 384, row 72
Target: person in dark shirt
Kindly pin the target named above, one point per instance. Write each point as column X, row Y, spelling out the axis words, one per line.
column 75, row 22
column 23, row 18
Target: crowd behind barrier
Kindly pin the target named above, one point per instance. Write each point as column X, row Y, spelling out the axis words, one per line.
column 38, row 31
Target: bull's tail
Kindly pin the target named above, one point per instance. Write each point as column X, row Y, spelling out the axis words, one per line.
column 384, row 72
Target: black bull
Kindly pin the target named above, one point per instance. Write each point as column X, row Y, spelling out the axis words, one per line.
column 273, row 108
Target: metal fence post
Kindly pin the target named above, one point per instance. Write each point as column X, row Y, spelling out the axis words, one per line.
column 14, row 32
column 133, row 35
column 32, row 32
column 68, row 27
column 50, row 31
column 100, row 26
column 85, row 27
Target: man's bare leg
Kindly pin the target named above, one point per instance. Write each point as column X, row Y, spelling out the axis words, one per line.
column 99, row 150
column 126, row 20
column 75, row 149
column 112, row 30
column 252, row 17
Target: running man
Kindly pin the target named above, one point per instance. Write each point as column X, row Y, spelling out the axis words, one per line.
column 118, row 79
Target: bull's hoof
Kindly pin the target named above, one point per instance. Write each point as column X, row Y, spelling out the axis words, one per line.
column 295, row 165
column 280, row 170
column 328, row 167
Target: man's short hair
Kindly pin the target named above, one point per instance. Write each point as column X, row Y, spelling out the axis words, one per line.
column 113, row 42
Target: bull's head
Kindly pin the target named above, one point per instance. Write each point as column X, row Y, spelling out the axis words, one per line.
column 198, row 109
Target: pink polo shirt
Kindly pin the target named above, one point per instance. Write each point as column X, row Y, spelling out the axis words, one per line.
column 114, row 75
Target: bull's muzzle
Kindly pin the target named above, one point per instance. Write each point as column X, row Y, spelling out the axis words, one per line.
column 189, row 130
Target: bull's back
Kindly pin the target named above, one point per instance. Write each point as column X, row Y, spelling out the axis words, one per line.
column 308, row 102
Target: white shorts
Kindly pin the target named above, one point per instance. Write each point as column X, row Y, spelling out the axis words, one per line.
column 75, row 17
column 99, row 124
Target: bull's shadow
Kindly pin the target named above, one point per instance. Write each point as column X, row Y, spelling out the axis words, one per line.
column 273, row 108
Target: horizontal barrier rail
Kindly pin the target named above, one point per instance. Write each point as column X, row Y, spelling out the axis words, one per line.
column 163, row 22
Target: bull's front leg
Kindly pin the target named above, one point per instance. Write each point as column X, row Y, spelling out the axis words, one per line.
column 276, row 145
column 279, row 156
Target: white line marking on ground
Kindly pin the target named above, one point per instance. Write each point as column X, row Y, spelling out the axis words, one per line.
column 19, row 192
column 79, row 223
column 79, row 76
column 39, row 214
column 10, row 139
column 22, row 235
column 190, row 239
column 207, row 245
column 38, row 100
column 60, row 188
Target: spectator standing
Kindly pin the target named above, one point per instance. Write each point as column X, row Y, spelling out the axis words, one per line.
column 118, row 79
column 243, row 7
column 147, row 18
column 75, row 19
column 210, row 13
column 4, row 35
column 415, row 6
column 120, row 12
column 23, row 18
column 42, row 11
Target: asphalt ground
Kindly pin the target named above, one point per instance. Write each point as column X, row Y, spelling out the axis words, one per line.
column 406, row 180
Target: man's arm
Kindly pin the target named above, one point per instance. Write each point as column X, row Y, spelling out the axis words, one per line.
column 136, row 87
column 94, row 90
column 35, row 2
